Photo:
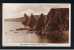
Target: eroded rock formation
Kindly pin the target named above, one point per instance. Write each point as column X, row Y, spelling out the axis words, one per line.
column 51, row 25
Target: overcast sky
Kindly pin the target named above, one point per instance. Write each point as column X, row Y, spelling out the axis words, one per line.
column 16, row 10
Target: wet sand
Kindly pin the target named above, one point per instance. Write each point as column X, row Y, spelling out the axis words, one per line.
column 10, row 34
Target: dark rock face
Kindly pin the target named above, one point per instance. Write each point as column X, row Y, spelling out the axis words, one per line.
column 32, row 21
column 59, row 18
column 26, row 19
column 58, row 21
column 40, row 24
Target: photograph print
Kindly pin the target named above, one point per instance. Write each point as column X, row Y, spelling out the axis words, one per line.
column 36, row 24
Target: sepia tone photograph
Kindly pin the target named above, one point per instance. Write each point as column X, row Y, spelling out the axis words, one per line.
column 36, row 24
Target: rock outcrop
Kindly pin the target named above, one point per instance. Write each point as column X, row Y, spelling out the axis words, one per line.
column 51, row 25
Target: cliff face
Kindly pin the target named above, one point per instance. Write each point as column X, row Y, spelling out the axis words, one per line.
column 57, row 24
column 57, row 19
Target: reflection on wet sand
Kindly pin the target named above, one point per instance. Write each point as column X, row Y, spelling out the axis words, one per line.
column 14, row 36
column 22, row 36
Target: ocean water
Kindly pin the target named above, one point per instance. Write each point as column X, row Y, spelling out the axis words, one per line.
column 10, row 35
